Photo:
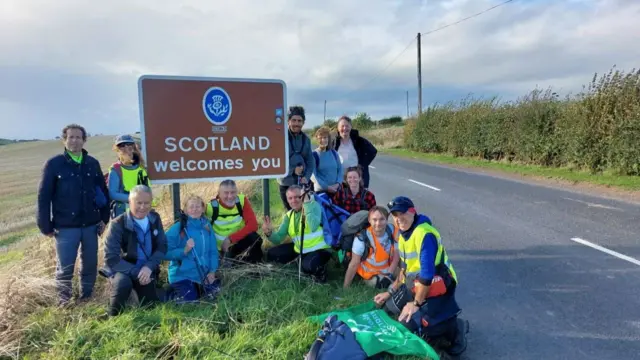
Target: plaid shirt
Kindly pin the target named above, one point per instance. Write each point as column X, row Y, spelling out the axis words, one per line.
column 364, row 200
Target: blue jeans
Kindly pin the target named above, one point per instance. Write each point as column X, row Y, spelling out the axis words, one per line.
column 68, row 241
column 186, row 291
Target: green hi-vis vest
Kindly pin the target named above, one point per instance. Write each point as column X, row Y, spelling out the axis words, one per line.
column 313, row 238
column 226, row 221
column 410, row 252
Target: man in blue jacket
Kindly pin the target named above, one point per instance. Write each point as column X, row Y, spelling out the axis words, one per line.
column 73, row 208
column 424, row 294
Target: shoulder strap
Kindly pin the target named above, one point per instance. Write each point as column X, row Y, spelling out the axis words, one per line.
column 317, row 157
column 215, row 206
column 335, row 156
column 239, row 206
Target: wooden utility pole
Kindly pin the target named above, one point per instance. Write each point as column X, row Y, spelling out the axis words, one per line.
column 407, row 103
column 325, row 111
column 419, row 77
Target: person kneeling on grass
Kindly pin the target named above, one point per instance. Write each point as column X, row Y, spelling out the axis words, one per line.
column 314, row 248
column 423, row 295
column 235, row 224
column 375, row 252
column 193, row 254
column 135, row 244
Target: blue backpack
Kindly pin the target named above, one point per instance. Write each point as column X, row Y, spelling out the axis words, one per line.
column 332, row 218
column 336, row 341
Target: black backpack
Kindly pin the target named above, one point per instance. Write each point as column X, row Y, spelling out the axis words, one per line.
column 215, row 205
column 352, row 227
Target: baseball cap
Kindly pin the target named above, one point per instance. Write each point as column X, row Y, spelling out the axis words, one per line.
column 124, row 139
column 401, row 204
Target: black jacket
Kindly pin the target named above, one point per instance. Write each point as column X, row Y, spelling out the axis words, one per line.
column 70, row 191
column 364, row 148
column 121, row 244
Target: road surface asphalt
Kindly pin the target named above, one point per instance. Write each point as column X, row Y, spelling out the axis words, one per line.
column 532, row 285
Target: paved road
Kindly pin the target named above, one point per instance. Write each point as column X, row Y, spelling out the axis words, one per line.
column 528, row 289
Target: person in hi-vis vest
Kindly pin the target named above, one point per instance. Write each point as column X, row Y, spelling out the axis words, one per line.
column 375, row 252
column 315, row 251
column 234, row 224
column 125, row 173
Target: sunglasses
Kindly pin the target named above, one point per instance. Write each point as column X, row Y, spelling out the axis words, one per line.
column 125, row 145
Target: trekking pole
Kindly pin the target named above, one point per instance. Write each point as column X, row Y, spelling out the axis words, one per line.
column 303, row 219
column 197, row 260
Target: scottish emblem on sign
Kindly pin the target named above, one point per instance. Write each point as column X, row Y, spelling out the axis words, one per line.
column 216, row 105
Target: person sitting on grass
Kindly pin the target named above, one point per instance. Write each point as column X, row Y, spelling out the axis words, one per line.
column 378, row 245
column 352, row 195
column 193, row 254
column 135, row 244
column 235, row 224
column 314, row 249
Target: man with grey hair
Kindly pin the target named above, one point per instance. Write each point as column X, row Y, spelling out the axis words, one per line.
column 135, row 244
column 234, row 223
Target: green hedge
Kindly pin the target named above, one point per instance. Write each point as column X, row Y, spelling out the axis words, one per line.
column 597, row 129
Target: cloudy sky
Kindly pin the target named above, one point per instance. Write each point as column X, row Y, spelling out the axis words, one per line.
column 78, row 60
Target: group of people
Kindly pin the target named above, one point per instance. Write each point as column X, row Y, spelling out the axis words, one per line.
column 404, row 257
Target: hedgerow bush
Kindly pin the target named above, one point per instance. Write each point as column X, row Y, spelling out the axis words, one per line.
column 598, row 129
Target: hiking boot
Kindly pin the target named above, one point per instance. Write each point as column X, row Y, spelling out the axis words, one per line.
column 460, row 342
column 321, row 276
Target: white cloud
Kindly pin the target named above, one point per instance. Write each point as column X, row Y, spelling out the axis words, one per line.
column 73, row 60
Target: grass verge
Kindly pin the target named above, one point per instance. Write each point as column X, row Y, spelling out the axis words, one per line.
column 607, row 179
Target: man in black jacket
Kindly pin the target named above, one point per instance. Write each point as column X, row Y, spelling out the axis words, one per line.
column 135, row 245
column 354, row 149
column 73, row 190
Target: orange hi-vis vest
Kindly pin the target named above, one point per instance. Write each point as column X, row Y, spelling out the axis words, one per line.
column 377, row 260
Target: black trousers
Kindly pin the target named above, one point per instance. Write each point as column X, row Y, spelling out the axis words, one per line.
column 313, row 263
column 248, row 249
column 121, row 286
column 283, row 196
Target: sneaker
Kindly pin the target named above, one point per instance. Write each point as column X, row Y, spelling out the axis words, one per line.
column 460, row 341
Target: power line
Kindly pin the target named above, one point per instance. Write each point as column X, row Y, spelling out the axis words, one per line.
column 425, row 33
column 467, row 18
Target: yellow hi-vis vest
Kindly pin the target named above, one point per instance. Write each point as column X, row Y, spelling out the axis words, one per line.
column 409, row 251
column 228, row 221
column 313, row 238
column 131, row 178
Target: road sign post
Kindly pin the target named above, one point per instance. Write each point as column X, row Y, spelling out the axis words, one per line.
column 197, row 129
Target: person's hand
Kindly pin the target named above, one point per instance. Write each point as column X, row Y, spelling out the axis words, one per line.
column 333, row 188
column 144, row 276
column 303, row 180
column 381, row 298
column 211, row 277
column 266, row 226
column 299, row 170
column 190, row 244
column 225, row 244
column 408, row 311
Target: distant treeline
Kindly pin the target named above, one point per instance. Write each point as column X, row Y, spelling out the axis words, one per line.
column 9, row 141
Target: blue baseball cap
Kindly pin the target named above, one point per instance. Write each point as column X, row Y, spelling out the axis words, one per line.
column 400, row 204
column 124, row 139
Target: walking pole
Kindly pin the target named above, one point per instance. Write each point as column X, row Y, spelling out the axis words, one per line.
column 302, row 226
column 197, row 259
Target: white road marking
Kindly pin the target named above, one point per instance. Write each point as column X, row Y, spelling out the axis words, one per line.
column 373, row 167
column 425, row 185
column 605, row 250
column 594, row 204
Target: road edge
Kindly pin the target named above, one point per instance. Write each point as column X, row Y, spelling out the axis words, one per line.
column 580, row 187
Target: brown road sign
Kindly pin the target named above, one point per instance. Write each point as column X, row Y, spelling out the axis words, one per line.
column 206, row 129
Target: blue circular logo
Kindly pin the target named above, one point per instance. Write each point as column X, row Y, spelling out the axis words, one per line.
column 216, row 105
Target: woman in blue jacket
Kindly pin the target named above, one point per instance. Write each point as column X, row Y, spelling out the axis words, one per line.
column 193, row 254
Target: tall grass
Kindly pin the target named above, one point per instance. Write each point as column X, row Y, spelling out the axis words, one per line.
column 597, row 130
